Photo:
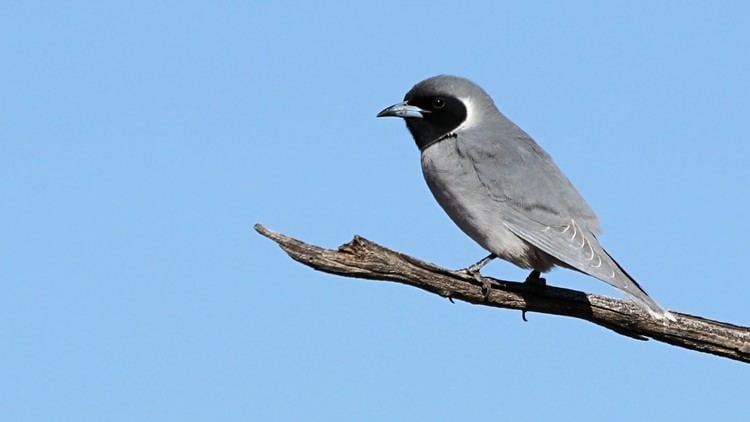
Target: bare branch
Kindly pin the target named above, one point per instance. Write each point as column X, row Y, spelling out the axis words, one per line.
column 362, row 258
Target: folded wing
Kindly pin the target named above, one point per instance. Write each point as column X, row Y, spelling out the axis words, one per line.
column 544, row 209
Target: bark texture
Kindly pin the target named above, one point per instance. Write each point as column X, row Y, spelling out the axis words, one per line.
column 362, row 258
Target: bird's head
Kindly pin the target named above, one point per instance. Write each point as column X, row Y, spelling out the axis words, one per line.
column 439, row 106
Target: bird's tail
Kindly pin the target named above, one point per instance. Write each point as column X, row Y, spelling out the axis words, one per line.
column 640, row 297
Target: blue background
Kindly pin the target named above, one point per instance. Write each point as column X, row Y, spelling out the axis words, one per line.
column 140, row 142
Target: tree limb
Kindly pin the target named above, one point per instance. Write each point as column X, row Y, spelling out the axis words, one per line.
column 362, row 258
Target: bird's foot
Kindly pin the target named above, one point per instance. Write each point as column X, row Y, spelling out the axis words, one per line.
column 535, row 280
column 485, row 282
column 486, row 287
column 474, row 268
column 474, row 272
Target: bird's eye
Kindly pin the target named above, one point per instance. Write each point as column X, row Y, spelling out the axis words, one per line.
column 438, row 103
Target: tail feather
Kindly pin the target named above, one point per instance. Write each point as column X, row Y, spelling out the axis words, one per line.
column 641, row 297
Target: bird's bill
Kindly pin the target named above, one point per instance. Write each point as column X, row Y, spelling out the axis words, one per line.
column 404, row 110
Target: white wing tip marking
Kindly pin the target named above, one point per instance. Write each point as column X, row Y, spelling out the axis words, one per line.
column 575, row 231
column 599, row 261
column 592, row 252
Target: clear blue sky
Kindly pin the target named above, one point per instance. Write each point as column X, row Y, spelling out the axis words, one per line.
column 140, row 142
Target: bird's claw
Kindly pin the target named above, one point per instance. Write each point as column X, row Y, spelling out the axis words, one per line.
column 486, row 288
column 486, row 283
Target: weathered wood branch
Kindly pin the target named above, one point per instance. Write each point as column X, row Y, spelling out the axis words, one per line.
column 362, row 258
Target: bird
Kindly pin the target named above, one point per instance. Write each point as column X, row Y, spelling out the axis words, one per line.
column 504, row 190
